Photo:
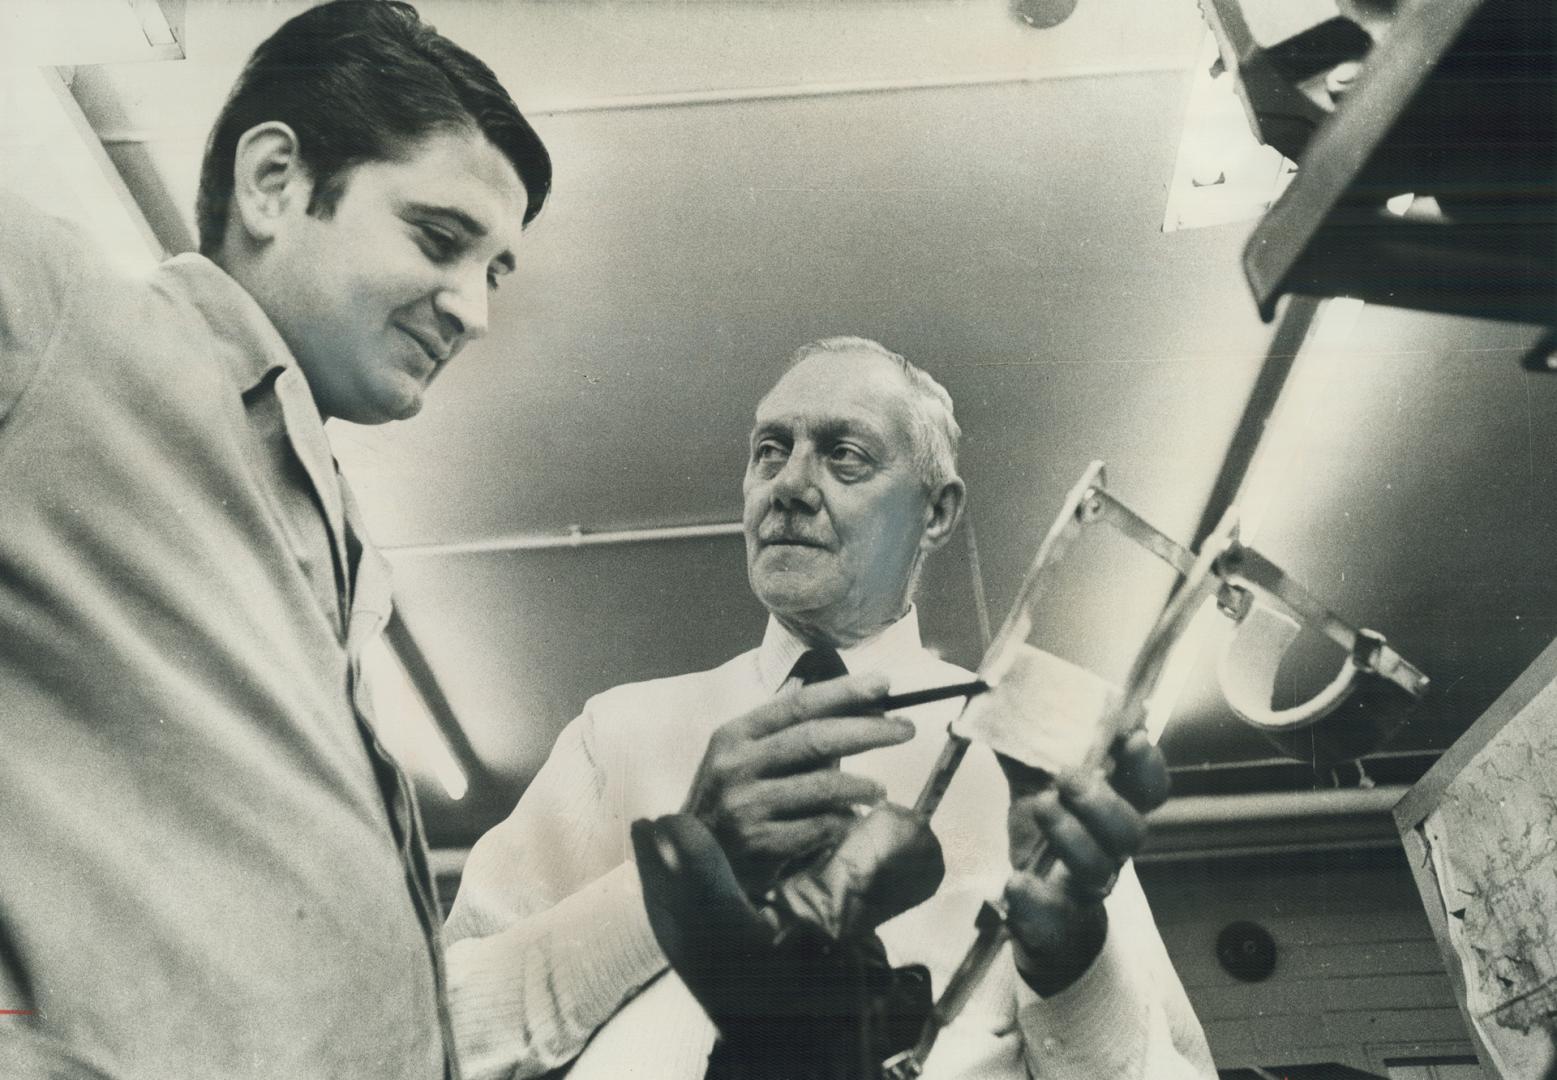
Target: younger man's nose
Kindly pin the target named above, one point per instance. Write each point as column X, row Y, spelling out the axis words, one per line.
column 462, row 308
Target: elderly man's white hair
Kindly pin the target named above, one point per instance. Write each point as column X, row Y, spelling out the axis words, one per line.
column 933, row 428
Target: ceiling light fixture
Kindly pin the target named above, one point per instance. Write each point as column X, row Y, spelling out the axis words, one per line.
column 1042, row 14
column 403, row 723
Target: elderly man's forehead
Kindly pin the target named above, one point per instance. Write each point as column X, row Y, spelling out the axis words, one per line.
column 838, row 378
column 846, row 399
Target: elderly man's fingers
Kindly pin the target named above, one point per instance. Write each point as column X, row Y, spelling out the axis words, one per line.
column 849, row 695
column 1037, row 905
column 826, row 739
column 805, row 794
column 1141, row 771
column 1022, row 778
column 781, row 841
column 1056, row 936
column 1087, row 860
column 1045, row 913
column 1111, row 821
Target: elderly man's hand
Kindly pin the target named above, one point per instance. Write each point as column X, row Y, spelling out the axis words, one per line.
column 767, row 788
column 1093, row 825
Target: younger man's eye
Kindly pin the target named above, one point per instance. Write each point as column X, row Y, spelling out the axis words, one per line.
column 440, row 243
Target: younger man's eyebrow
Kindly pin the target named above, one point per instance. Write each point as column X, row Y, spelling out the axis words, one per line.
column 467, row 224
column 453, row 213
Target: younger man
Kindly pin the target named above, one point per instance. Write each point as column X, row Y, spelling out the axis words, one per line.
column 212, row 868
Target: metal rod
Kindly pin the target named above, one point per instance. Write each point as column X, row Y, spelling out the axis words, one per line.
column 993, row 933
column 992, row 936
column 941, row 775
column 1142, row 532
column 976, row 580
column 1257, row 412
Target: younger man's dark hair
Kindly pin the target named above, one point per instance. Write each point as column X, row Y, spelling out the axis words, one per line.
column 358, row 81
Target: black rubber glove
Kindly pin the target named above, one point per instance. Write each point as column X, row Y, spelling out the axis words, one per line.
column 800, row 987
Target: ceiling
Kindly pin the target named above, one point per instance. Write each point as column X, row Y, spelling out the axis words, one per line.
column 734, row 179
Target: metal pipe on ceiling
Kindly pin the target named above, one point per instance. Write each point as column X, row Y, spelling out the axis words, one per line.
column 1276, row 822
column 1227, row 826
column 575, row 537
column 123, row 136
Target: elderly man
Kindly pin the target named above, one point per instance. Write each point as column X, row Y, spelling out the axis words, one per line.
column 212, row 867
column 850, row 484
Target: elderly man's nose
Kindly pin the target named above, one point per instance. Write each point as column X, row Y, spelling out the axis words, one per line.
column 795, row 484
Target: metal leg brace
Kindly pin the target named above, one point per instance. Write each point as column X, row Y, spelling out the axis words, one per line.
column 1242, row 581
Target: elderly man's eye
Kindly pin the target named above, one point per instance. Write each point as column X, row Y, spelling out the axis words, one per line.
column 848, row 458
column 769, row 455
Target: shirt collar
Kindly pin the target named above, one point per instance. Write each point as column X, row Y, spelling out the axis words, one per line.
column 780, row 649
column 248, row 346
column 236, row 319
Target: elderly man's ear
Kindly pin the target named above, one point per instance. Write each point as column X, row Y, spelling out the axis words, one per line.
column 945, row 511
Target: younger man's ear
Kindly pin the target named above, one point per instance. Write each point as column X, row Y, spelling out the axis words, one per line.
column 268, row 178
column 945, row 511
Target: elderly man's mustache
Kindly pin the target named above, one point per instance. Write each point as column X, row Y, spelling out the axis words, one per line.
column 786, row 532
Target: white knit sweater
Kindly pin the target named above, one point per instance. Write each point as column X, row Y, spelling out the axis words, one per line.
column 551, row 957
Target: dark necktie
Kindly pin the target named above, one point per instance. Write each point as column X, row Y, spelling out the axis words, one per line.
column 818, row 665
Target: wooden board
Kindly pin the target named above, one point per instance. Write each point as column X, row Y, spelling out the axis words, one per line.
column 1481, row 832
